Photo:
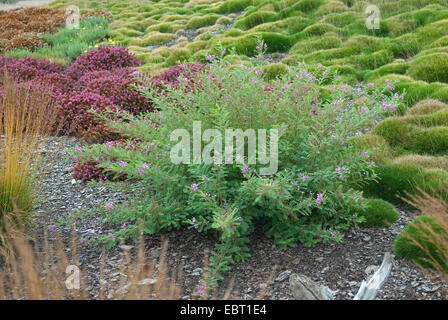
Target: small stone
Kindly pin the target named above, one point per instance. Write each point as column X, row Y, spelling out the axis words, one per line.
column 147, row 281
column 320, row 259
column 352, row 283
column 429, row 290
column 367, row 238
column 196, row 272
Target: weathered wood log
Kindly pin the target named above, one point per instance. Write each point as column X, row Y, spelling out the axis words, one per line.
column 369, row 289
column 303, row 288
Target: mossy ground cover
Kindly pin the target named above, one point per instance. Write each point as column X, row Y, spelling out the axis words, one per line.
column 411, row 41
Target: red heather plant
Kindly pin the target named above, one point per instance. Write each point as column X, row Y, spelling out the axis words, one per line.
column 75, row 118
column 118, row 88
column 91, row 169
column 103, row 58
column 28, row 68
column 189, row 72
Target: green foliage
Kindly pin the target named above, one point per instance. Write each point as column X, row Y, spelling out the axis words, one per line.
column 254, row 19
column 178, row 55
column 404, row 136
column 416, row 236
column 314, row 194
column 395, row 180
column 427, row 107
column 430, row 68
column 379, row 213
column 380, row 151
column 275, row 70
column 69, row 43
column 202, row 21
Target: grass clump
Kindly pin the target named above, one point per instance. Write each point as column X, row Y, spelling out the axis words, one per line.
column 27, row 119
column 202, row 21
column 275, row 70
column 406, row 137
column 394, row 181
column 425, row 240
column 430, row 68
column 427, row 106
column 379, row 213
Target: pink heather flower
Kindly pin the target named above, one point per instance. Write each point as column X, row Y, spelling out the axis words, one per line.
column 145, row 166
column 371, row 85
column 140, row 171
column 110, row 206
column 371, row 163
column 363, row 110
column 226, row 203
column 201, row 288
column 319, row 199
column 304, row 177
column 259, row 72
column 245, row 169
column 123, row 163
column 194, row 187
column 342, row 141
column 111, row 235
column 123, row 225
column 52, row 227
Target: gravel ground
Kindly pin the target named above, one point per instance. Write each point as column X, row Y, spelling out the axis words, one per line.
column 340, row 266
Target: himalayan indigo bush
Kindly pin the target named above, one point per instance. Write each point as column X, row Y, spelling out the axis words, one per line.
column 315, row 194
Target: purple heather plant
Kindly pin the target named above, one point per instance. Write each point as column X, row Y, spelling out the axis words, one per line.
column 103, row 58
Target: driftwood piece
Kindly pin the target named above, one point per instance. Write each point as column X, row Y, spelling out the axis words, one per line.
column 303, row 288
column 369, row 289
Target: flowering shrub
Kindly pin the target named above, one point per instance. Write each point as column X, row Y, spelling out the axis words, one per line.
column 75, row 118
column 117, row 86
column 17, row 25
column 103, row 58
column 171, row 76
column 314, row 194
column 90, row 170
column 28, row 68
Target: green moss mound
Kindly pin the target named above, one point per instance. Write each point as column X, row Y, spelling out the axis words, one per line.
column 427, row 106
column 406, row 137
column 395, row 181
column 430, row 68
column 379, row 213
column 405, row 247
column 275, row 70
column 378, row 148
